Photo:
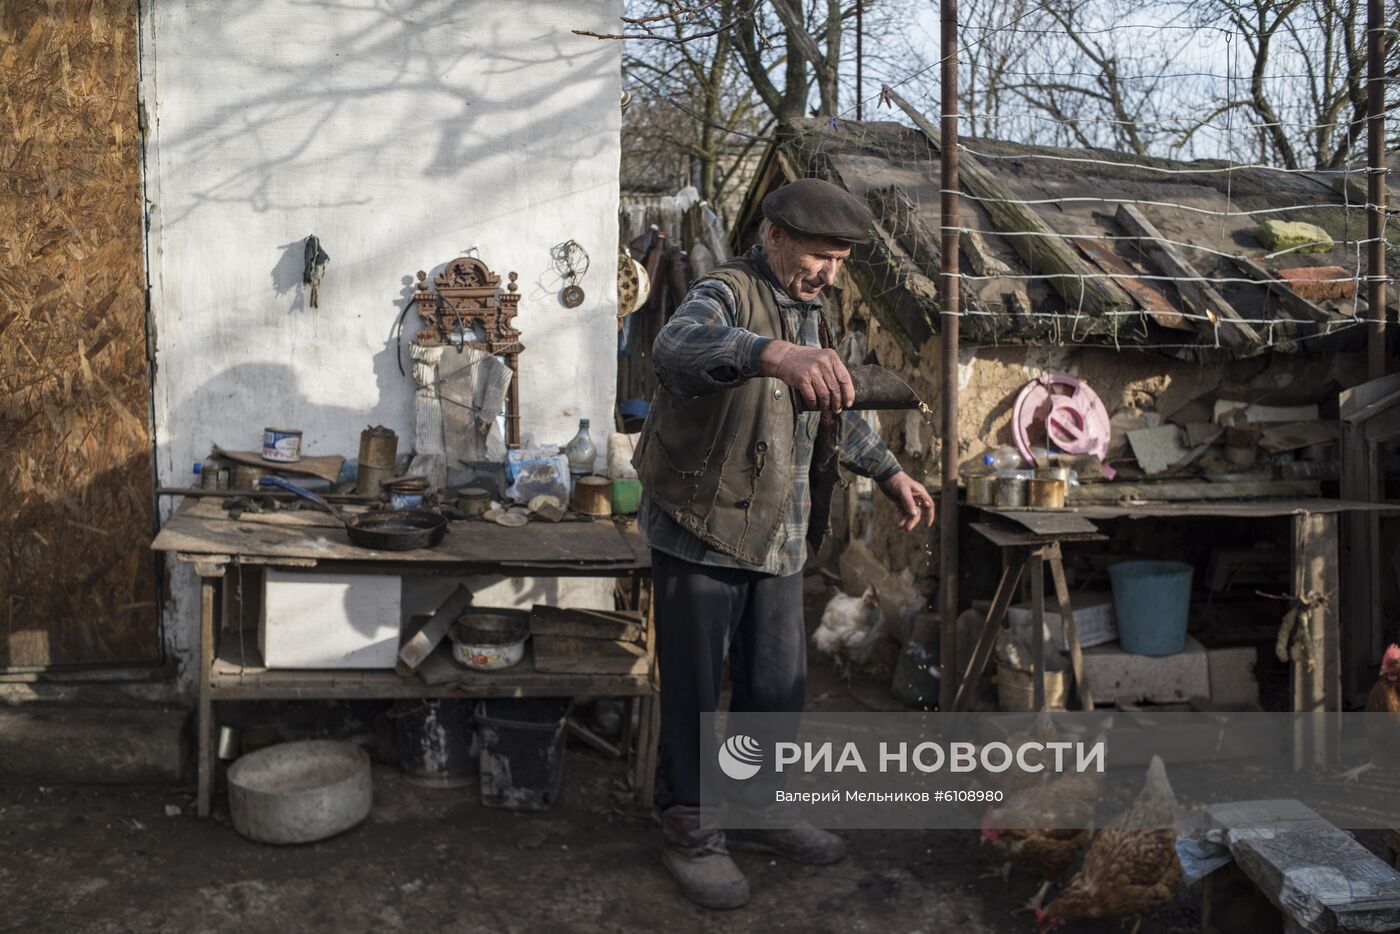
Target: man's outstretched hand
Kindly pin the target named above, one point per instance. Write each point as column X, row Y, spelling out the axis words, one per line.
column 913, row 499
column 818, row 375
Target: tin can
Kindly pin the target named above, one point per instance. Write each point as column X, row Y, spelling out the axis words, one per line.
column 246, row 476
column 981, row 489
column 1057, row 472
column 473, row 502
column 406, row 500
column 1011, row 491
column 378, row 450
column 214, row 475
column 1046, row 493
column 282, row 445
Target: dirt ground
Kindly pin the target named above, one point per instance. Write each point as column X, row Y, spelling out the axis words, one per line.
column 109, row 859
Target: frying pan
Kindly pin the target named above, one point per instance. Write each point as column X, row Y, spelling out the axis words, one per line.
column 393, row 530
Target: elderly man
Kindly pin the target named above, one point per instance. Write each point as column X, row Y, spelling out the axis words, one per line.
column 737, row 477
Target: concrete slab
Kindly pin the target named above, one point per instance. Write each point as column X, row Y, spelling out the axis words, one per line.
column 1116, row 675
column 1232, row 680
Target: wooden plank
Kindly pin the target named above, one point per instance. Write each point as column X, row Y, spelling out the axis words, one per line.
column 897, row 214
column 1202, row 299
column 567, row 655
column 1014, row 565
column 1290, row 300
column 1048, row 522
column 1076, row 651
column 1293, row 435
column 1048, row 255
column 1316, row 670
column 623, row 626
column 1315, row 873
column 1115, row 492
column 326, row 467
column 1005, row 535
column 1151, row 297
column 1245, row 509
column 484, row 543
column 204, row 790
column 421, row 644
column 240, row 676
column 908, row 298
column 1037, row 583
column 980, row 256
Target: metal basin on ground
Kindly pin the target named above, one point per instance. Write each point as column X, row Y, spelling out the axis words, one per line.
column 299, row 792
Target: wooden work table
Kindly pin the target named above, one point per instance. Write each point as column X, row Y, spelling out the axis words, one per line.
column 1029, row 538
column 200, row 533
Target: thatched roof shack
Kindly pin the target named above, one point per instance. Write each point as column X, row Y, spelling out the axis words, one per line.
column 1155, row 253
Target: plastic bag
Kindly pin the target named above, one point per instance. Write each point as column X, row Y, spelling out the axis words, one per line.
column 531, row 472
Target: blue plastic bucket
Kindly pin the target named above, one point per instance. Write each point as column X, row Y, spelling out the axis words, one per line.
column 1152, row 600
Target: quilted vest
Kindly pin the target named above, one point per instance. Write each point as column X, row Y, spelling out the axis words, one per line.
column 721, row 465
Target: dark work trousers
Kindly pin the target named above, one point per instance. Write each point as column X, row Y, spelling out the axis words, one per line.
column 702, row 612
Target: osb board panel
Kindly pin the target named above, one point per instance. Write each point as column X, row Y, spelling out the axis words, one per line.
column 76, row 578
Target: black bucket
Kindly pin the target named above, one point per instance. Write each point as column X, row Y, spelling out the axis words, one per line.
column 522, row 751
column 437, row 742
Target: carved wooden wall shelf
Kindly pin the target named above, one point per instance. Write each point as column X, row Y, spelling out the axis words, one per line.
column 466, row 307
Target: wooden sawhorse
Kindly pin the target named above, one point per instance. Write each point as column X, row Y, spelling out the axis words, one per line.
column 1025, row 552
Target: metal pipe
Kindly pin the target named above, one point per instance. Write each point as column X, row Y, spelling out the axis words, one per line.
column 948, row 328
column 860, row 58
column 1375, row 188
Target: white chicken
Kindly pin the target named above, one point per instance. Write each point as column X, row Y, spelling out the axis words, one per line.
column 850, row 629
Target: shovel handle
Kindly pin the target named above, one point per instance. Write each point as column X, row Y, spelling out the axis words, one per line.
column 290, row 487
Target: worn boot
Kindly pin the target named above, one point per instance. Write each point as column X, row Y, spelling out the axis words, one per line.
column 799, row 842
column 698, row 859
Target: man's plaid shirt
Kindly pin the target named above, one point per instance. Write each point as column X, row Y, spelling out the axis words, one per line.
column 700, row 351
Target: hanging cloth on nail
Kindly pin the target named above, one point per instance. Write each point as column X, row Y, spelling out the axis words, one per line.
column 316, row 260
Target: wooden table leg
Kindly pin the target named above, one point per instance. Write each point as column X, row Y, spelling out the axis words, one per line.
column 648, row 737
column 627, row 741
column 1038, row 627
column 1013, row 566
column 1317, row 685
column 1076, row 651
column 206, row 749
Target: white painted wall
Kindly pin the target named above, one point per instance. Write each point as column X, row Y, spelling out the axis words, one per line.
column 402, row 133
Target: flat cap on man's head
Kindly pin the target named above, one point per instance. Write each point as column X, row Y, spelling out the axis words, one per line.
column 814, row 208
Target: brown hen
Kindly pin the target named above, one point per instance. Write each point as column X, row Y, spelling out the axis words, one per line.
column 1043, row 829
column 1131, row 868
column 1383, row 733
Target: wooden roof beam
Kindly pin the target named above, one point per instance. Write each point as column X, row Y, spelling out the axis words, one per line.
column 1203, row 300
column 1079, row 284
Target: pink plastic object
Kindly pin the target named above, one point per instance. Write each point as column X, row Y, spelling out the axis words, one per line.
column 1073, row 416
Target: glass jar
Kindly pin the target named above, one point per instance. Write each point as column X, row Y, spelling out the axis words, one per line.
column 581, row 451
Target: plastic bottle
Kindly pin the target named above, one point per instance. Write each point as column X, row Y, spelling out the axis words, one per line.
column 581, row 452
column 1003, row 458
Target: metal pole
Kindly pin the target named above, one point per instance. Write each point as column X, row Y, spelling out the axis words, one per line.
column 860, row 58
column 1375, row 188
column 948, row 327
